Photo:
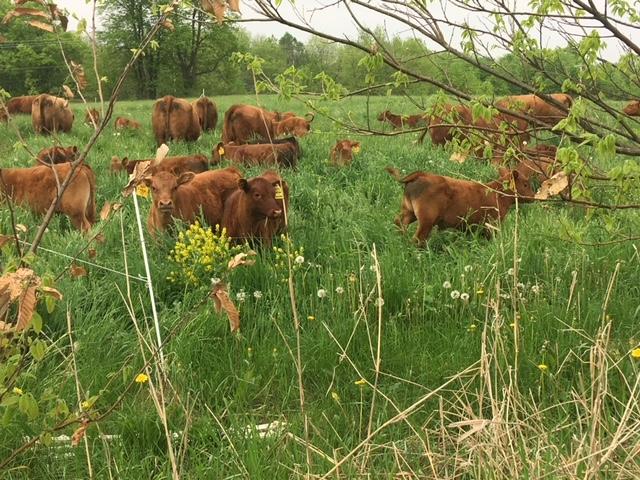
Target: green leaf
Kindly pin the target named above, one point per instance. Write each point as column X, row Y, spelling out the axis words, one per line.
column 82, row 26
column 38, row 349
column 9, row 399
column 29, row 406
column 36, row 319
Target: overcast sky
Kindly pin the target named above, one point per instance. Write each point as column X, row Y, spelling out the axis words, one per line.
column 337, row 21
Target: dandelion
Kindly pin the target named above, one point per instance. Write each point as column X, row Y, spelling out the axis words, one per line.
column 299, row 260
column 322, row 293
column 339, row 290
column 455, row 294
column 510, row 271
column 257, row 294
column 361, row 383
column 535, row 289
column 543, row 368
column 336, row 397
column 17, row 391
column 480, row 291
column 142, row 378
column 85, row 405
column 464, row 297
column 446, row 284
column 379, row 302
column 215, row 281
column 241, row 296
column 635, row 353
column 352, row 278
column 311, row 318
column 520, row 285
column 472, row 327
column 468, row 268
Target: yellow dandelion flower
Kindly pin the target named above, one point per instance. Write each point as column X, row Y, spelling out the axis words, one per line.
column 472, row 327
column 335, row 396
column 635, row 353
column 480, row 291
column 311, row 317
column 17, row 391
column 142, row 378
column 361, row 383
column 543, row 368
column 85, row 405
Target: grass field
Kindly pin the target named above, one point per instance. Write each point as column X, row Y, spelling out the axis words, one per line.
column 550, row 389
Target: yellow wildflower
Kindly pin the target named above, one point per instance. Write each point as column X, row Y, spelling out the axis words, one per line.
column 85, row 405
column 543, row 368
column 335, row 396
column 480, row 291
column 17, row 391
column 142, row 378
column 361, row 383
column 311, row 317
column 635, row 353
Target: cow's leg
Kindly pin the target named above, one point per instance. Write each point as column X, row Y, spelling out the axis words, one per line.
column 406, row 216
column 79, row 221
column 426, row 220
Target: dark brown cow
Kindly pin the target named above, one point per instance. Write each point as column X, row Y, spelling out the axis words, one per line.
column 51, row 114
column 123, row 122
column 633, row 108
column 342, row 152
column 36, row 187
column 207, row 113
column 186, row 196
column 253, row 211
column 92, row 117
column 21, row 104
column 284, row 152
column 538, row 108
column 175, row 165
column 244, row 122
column 58, row 154
column 174, row 119
column 400, row 121
column 436, row 200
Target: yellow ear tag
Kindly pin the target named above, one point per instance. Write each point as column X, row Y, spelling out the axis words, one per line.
column 356, row 149
column 142, row 190
column 279, row 193
column 221, row 151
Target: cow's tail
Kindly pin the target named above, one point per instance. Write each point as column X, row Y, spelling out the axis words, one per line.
column 394, row 172
column 41, row 107
column 427, row 119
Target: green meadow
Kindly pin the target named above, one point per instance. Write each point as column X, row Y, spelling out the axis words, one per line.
column 503, row 358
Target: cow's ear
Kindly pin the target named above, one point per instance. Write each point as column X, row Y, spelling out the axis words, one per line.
column 186, row 177
column 243, row 184
column 74, row 149
column 515, row 174
column 124, row 161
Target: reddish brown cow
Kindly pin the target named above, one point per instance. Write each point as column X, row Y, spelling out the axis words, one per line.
column 124, row 122
column 92, row 117
column 253, row 211
column 342, row 152
column 284, row 152
column 244, row 122
column 36, row 187
column 21, row 104
column 51, row 114
column 175, row 165
column 207, row 113
column 186, row 196
column 174, row 119
column 275, row 226
column 538, row 108
column 452, row 203
column 58, row 154
column 400, row 121
column 633, row 108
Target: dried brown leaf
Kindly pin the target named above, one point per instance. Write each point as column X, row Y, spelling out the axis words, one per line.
column 68, row 92
column 168, row 24
column 21, row 228
column 4, row 239
column 215, row 8
column 92, row 253
column 51, row 292
column 41, row 25
column 106, row 211
column 139, row 172
column 241, row 259
column 26, row 307
column 552, row 186
column 77, row 271
column 100, row 238
column 458, row 157
column 79, row 434
column 234, row 5
column 33, row 12
column 78, row 73
column 221, row 300
column 161, row 153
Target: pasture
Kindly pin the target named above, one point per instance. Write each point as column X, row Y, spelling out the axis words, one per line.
column 546, row 332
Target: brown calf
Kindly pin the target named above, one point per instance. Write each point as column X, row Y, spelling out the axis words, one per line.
column 92, row 117
column 57, row 154
column 284, row 152
column 175, row 165
column 538, row 108
column 633, row 108
column 400, row 121
column 253, row 211
column 207, row 113
column 174, row 119
column 342, row 152
column 124, row 122
column 21, row 104
column 244, row 122
column 51, row 114
column 446, row 202
column 186, row 196
column 36, row 187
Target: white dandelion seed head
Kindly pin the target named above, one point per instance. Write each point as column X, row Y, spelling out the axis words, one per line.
column 215, row 281
column 455, row 294
column 299, row 260
column 535, row 289
column 241, row 296
column 322, row 293
column 510, row 271
column 339, row 290
column 379, row 302
column 257, row 294
column 468, row 268
column 446, row 284
column 464, row 297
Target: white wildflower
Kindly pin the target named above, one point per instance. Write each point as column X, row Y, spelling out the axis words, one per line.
column 241, row 296
column 215, row 281
column 468, row 268
column 339, row 290
column 299, row 260
column 446, row 284
column 464, row 297
column 322, row 293
column 257, row 294
column 535, row 289
column 455, row 294
column 379, row 302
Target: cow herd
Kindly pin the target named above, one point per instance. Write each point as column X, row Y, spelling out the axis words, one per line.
column 186, row 187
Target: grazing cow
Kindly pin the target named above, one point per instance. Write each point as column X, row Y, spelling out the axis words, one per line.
column 244, row 122
column 452, row 203
column 284, row 152
column 633, row 108
column 51, row 114
column 36, row 187
column 399, row 121
column 124, row 122
column 207, row 113
column 174, row 119
column 187, row 195
column 57, row 154
column 255, row 210
column 538, row 108
column 342, row 152
column 175, row 165
column 92, row 117
column 21, row 104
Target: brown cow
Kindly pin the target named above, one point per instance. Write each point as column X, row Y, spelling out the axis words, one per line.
column 207, row 113
column 185, row 196
column 51, row 114
column 538, row 108
column 57, row 154
column 175, row 165
column 342, row 152
column 174, row 119
column 244, row 122
column 21, row 104
column 275, row 226
column 452, row 203
column 253, row 211
column 633, row 108
column 124, row 122
column 284, row 152
column 92, row 117
column 36, row 187
column 399, row 121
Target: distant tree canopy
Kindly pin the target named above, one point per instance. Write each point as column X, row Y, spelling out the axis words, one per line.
column 195, row 56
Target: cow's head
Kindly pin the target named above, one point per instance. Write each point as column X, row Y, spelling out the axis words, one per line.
column 70, row 153
column 260, row 193
column 163, row 187
column 518, row 183
column 217, row 154
column 633, row 108
column 296, row 126
column 383, row 115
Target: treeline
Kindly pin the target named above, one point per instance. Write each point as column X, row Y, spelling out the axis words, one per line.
column 194, row 55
